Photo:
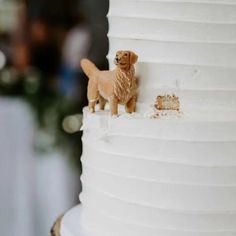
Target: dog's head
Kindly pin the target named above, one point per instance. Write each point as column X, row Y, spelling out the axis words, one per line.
column 125, row 59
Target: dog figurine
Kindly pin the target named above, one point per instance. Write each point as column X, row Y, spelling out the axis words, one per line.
column 118, row 86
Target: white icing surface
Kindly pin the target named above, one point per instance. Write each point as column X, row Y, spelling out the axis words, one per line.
column 184, row 47
column 191, row 11
column 167, row 30
column 174, row 175
column 143, row 176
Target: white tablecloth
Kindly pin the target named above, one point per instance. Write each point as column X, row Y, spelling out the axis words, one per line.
column 34, row 189
column 17, row 169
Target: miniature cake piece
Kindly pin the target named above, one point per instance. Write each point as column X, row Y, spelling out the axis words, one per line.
column 117, row 86
column 167, row 102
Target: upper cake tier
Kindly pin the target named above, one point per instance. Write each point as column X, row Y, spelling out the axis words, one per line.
column 185, row 47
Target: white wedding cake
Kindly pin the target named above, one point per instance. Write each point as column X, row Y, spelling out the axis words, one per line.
column 167, row 173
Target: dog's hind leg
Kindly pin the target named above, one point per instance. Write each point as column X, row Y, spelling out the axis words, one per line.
column 93, row 95
column 113, row 105
column 102, row 102
column 92, row 105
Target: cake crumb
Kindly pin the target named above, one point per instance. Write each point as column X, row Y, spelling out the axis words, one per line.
column 167, row 102
column 166, row 106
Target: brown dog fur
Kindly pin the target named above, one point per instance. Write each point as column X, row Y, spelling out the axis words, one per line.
column 118, row 86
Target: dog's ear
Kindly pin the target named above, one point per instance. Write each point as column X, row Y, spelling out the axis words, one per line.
column 133, row 58
column 118, row 52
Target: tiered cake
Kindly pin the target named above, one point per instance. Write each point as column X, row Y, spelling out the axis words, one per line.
column 173, row 175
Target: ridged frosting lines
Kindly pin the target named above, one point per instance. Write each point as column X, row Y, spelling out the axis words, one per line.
column 130, row 169
column 124, row 228
column 190, row 140
column 196, row 37
column 177, row 196
column 129, row 212
column 113, row 226
column 172, row 176
column 170, row 31
column 192, row 153
column 222, row 55
column 186, row 77
column 114, row 205
column 176, row 129
column 175, row 10
column 150, row 216
column 155, row 170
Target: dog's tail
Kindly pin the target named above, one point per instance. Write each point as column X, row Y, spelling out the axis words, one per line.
column 88, row 67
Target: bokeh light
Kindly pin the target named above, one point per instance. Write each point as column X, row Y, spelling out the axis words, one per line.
column 2, row 60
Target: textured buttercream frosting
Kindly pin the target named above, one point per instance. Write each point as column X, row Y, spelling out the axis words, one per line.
column 173, row 175
column 158, row 177
column 184, row 47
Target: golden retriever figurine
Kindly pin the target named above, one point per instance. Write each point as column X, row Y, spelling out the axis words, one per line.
column 118, row 86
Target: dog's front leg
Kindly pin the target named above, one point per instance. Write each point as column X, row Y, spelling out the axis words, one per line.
column 102, row 102
column 92, row 105
column 113, row 105
column 130, row 106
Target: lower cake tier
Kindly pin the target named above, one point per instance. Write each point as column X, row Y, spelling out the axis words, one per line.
column 70, row 224
column 170, row 176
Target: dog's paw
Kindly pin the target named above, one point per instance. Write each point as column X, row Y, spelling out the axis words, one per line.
column 92, row 110
column 114, row 116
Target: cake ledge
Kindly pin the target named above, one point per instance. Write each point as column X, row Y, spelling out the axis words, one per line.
column 185, row 127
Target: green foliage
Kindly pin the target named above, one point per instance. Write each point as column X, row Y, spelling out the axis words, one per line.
column 50, row 109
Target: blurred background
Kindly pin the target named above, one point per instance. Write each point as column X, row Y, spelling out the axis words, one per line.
column 42, row 93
